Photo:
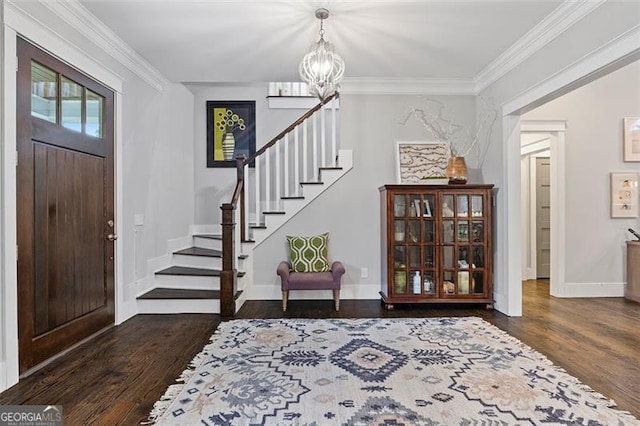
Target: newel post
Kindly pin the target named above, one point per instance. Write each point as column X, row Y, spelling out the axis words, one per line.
column 228, row 274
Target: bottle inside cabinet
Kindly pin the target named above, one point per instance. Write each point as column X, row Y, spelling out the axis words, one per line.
column 436, row 244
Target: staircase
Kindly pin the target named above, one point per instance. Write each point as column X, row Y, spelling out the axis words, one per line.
column 192, row 283
column 283, row 177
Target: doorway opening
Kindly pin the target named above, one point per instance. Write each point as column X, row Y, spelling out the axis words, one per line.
column 542, row 206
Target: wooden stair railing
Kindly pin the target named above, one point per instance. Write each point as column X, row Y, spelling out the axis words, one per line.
column 230, row 236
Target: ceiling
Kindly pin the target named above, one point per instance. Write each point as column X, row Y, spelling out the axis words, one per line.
column 256, row 41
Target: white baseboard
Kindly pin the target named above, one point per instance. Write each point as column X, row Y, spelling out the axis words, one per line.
column 594, row 289
column 240, row 301
column 179, row 243
column 143, row 285
column 500, row 303
column 349, row 291
column 126, row 310
column 8, row 374
column 157, row 264
column 529, row 274
column 3, row 376
column 205, row 229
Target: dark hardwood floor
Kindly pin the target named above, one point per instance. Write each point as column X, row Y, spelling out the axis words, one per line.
column 115, row 378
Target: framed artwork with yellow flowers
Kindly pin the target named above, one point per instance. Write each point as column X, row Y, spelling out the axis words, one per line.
column 231, row 131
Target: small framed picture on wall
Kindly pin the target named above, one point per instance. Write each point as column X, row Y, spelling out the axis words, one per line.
column 631, row 138
column 624, row 195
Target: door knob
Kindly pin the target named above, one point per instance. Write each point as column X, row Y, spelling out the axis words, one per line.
column 112, row 237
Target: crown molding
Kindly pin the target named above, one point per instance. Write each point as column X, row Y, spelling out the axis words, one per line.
column 557, row 22
column 608, row 57
column 403, row 86
column 83, row 21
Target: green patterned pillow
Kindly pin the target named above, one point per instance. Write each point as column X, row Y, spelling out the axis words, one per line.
column 309, row 254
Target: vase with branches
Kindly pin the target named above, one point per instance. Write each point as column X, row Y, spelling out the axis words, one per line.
column 462, row 143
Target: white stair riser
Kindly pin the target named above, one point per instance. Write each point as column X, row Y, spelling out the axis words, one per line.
column 178, row 306
column 209, row 243
column 205, row 262
column 188, row 282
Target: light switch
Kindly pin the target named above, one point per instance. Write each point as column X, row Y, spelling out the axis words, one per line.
column 138, row 220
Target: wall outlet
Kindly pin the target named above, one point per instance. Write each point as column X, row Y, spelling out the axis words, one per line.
column 138, row 220
column 364, row 273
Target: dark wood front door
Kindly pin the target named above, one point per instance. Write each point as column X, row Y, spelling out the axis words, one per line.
column 65, row 206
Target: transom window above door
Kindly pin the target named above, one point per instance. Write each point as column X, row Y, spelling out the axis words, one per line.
column 60, row 100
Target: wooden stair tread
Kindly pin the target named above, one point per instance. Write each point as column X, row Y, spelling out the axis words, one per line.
column 199, row 251
column 190, row 271
column 331, row 168
column 186, row 270
column 209, row 236
column 180, row 293
column 294, row 197
column 274, row 212
column 311, row 183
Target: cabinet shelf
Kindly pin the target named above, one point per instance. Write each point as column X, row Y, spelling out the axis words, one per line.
column 436, row 244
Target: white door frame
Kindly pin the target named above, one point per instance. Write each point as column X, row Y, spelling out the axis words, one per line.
column 556, row 131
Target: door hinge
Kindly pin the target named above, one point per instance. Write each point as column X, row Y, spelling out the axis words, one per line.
column 16, row 158
column 17, row 63
column 17, row 252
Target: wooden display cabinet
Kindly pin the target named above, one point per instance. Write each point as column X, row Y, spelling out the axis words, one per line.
column 436, row 244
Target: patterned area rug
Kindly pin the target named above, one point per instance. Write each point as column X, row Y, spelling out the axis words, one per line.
column 435, row 371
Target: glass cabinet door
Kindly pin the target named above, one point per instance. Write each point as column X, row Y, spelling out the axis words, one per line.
column 462, row 241
column 414, row 244
column 399, row 205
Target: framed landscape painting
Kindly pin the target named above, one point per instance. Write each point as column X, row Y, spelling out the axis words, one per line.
column 231, row 130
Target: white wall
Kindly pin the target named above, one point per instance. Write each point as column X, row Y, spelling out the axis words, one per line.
column 157, row 174
column 595, row 249
column 155, row 152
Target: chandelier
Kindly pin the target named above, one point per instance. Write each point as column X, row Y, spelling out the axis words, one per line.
column 322, row 69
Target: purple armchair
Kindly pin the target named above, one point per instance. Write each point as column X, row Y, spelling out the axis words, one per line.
column 310, row 281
